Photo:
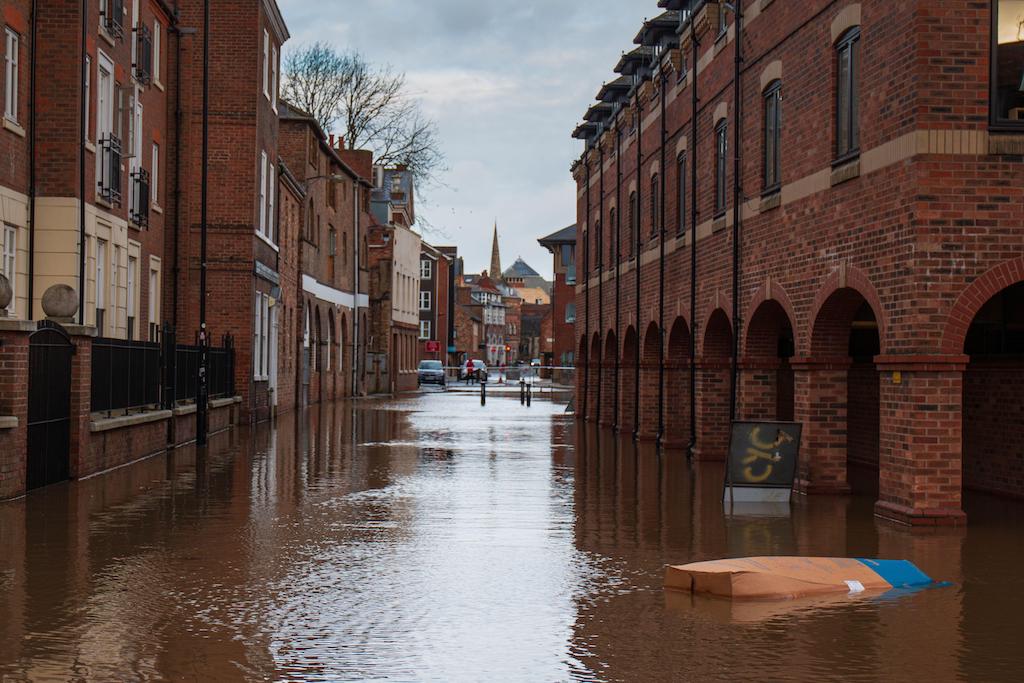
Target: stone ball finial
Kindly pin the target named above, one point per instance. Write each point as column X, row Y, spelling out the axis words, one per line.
column 5, row 292
column 60, row 302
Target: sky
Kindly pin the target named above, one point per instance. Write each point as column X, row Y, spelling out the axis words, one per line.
column 506, row 82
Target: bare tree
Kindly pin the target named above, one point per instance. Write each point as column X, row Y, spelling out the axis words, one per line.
column 369, row 104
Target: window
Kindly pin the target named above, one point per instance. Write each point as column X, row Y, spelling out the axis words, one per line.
column 263, row 194
column 88, row 96
column 133, row 267
column 634, row 218
column 426, row 269
column 570, row 313
column 568, row 254
column 611, row 242
column 158, row 30
column 11, row 75
column 721, row 151
column 681, row 193
column 332, row 241
column 9, row 260
column 115, row 288
column 1008, row 63
column 101, row 285
column 597, row 245
column 266, row 63
column 772, row 136
column 654, row 205
column 257, row 340
column 723, row 22
column 424, row 329
column 154, row 174
column 271, row 200
column 425, row 301
column 273, row 83
column 847, row 105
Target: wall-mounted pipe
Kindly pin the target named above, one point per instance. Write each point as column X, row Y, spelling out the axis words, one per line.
column 661, row 268
column 82, row 104
column 600, row 269
column 737, row 211
column 694, row 215
column 586, row 303
column 618, row 268
column 32, row 165
column 635, row 227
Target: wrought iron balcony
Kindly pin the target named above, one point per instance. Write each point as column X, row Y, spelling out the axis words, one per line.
column 112, row 18
column 143, row 66
column 139, row 212
column 108, row 173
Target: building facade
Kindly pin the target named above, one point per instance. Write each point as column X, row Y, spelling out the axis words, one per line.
column 437, row 292
column 839, row 246
column 562, row 245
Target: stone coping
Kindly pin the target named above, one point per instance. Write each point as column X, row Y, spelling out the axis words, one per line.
column 8, row 422
column 17, row 325
column 190, row 408
column 105, row 424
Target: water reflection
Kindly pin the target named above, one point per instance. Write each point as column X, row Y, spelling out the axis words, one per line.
column 430, row 538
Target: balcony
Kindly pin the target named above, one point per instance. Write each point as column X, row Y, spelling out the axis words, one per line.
column 108, row 174
column 112, row 18
column 139, row 212
column 143, row 66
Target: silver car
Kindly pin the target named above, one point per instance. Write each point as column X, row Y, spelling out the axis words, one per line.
column 430, row 372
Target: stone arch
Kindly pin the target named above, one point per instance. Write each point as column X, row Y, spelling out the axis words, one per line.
column 652, row 344
column 771, row 73
column 628, row 381
column 846, row 287
column 767, row 380
column 847, row 18
column 678, row 341
column 721, row 112
column 716, row 341
column 713, row 387
column 973, row 298
column 772, row 291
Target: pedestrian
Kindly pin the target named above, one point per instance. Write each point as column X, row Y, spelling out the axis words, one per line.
column 469, row 369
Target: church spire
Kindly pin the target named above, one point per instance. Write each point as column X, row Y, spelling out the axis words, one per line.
column 495, row 256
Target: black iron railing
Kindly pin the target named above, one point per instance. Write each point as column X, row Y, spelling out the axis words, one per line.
column 125, row 375
column 131, row 375
column 109, row 180
column 143, row 54
column 140, row 197
column 112, row 18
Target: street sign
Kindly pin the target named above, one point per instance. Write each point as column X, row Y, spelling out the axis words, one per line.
column 762, row 461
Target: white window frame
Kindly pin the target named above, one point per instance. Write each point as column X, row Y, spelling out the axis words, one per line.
column 12, row 47
column 101, row 282
column 158, row 29
column 154, row 175
column 425, row 301
column 134, row 35
column 262, row 225
column 266, row 336
column 257, row 351
column 88, row 95
column 9, row 261
column 266, row 63
column 115, row 284
column 271, row 195
column 274, row 80
column 426, row 269
column 132, row 318
column 424, row 329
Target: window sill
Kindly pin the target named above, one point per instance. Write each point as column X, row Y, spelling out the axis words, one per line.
column 771, row 200
column 1005, row 141
column 100, row 201
column 14, row 127
column 845, row 172
column 90, row 147
column 268, row 241
column 719, row 223
column 765, row 3
column 157, row 209
column 846, row 158
column 106, row 36
column 158, row 85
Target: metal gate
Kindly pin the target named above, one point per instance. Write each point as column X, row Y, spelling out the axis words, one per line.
column 49, row 405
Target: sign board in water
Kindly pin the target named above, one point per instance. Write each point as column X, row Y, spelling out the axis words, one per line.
column 762, row 460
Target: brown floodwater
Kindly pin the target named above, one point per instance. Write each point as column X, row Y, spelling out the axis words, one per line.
column 430, row 538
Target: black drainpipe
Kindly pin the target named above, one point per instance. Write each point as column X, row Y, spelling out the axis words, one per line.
column 661, row 269
column 586, row 283
column 600, row 268
column 636, row 248
column 618, row 265
column 81, row 169
column 32, row 165
column 178, row 113
column 692, row 147
column 737, row 196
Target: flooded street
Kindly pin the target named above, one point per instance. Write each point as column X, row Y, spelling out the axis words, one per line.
column 430, row 538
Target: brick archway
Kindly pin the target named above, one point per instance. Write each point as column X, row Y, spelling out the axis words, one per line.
column 721, row 304
column 628, row 381
column 594, row 377
column 772, row 291
column 581, row 377
column 677, row 386
column 650, row 378
column 976, row 295
column 766, row 375
column 713, row 387
column 842, row 280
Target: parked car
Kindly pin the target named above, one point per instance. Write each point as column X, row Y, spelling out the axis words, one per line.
column 478, row 372
column 430, row 372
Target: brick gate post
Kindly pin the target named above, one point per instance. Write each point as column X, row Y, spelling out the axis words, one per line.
column 81, row 400
column 13, row 405
column 920, row 439
column 713, row 423
column 820, row 402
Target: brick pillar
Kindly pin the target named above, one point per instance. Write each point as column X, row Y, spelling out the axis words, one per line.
column 677, row 405
column 581, row 374
column 920, row 439
column 649, row 389
column 594, row 370
column 759, row 386
column 712, row 409
column 820, row 397
column 13, row 405
column 627, row 398
column 79, row 456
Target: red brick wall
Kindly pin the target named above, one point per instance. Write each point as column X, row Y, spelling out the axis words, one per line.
column 13, row 148
column 13, row 403
column 994, row 427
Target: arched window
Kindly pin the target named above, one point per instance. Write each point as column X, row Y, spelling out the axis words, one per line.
column 847, row 96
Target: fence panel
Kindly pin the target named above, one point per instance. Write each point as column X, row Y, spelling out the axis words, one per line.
column 125, row 375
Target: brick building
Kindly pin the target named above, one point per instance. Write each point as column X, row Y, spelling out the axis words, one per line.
column 436, row 297
column 859, row 274
column 484, row 297
column 562, row 245
column 330, row 217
